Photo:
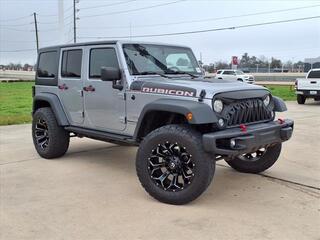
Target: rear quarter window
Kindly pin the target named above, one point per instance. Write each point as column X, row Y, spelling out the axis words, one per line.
column 314, row 74
column 47, row 65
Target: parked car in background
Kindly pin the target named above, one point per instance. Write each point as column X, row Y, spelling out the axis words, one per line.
column 237, row 75
column 308, row 87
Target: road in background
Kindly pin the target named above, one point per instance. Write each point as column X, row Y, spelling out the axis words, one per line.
column 93, row 193
column 9, row 75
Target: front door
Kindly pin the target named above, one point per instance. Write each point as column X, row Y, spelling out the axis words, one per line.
column 104, row 105
column 71, row 84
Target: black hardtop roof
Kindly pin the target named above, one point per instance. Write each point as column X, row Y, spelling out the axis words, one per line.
column 77, row 45
column 57, row 47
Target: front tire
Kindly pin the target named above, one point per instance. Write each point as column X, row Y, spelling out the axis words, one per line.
column 301, row 99
column 172, row 165
column 49, row 139
column 258, row 161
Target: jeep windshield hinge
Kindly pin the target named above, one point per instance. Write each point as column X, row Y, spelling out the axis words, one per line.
column 122, row 95
column 123, row 119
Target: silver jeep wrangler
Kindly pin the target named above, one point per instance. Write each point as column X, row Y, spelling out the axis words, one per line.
column 156, row 97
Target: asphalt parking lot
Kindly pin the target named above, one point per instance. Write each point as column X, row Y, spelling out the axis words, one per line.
column 93, row 193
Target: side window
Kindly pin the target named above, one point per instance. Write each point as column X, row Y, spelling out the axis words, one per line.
column 47, row 65
column 314, row 74
column 102, row 57
column 228, row 72
column 71, row 63
column 219, row 72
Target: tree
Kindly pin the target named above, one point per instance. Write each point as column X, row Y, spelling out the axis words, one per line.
column 209, row 68
column 244, row 61
column 221, row 65
column 275, row 63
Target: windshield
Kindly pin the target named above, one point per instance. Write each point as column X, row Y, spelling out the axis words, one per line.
column 152, row 59
column 238, row 72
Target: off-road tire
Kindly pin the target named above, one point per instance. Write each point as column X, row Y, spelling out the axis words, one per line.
column 301, row 99
column 263, row 163
column 191, row 140
column 58, row 138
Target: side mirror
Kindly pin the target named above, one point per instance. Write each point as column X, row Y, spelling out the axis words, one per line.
column 110, row 74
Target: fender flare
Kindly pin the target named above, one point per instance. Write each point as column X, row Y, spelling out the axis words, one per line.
column 279, row 104
column 202, row 113
column 55, row 105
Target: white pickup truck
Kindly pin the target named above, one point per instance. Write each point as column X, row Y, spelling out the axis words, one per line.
column 308, row 87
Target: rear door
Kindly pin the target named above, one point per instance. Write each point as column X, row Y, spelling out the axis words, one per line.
column 104, row 105
column 70, row 84
column 229, row 75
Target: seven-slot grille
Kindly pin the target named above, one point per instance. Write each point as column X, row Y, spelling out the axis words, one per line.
column 247, row 111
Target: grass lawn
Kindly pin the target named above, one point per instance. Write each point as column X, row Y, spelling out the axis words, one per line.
column 287, row 93
column 15, row 102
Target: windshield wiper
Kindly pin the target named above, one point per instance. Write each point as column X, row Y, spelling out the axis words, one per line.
column 182, row 72
column 152, row 73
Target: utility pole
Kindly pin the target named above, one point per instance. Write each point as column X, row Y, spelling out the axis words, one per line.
column 36, row 30
column 130, row 30
column 61, row 21
column 74, row 22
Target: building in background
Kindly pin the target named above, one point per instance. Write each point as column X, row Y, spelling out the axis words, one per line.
column 310, row 63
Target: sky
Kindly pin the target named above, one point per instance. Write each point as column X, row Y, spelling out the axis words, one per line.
column 290, row 41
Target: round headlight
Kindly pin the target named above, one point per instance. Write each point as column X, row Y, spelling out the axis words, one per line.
column 217, row 106
column 266, row 101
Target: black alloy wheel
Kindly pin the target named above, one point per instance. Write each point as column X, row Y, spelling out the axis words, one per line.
column 257, row 161
column 50, row 139
column 42, row 134
column 171, row 167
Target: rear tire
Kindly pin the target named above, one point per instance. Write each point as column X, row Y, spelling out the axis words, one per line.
column 49, row 139
column 247, row 164
column 172, row 165
column 301, row 99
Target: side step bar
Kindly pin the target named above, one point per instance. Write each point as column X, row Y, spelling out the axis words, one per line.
column 102, row 136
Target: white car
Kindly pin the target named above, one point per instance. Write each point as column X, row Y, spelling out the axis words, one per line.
column 237, row 75
column 308, row 87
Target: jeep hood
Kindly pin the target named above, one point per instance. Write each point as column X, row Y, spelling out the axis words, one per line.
column 211, row 86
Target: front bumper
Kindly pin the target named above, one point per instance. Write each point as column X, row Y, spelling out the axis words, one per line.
column 253, row 138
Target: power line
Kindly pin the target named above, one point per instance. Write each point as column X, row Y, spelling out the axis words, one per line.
column 24, row 41
column 15, row 25
column 19, row 50
column 107, row 5
column 132, row 10
column 14, row 29
column 212, row 29
column 55, row 15
column 209, row 19
column 16, row 19
column 50, row 30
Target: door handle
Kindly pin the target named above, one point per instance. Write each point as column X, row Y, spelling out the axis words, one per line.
column 63, row 87
column 89, row 88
